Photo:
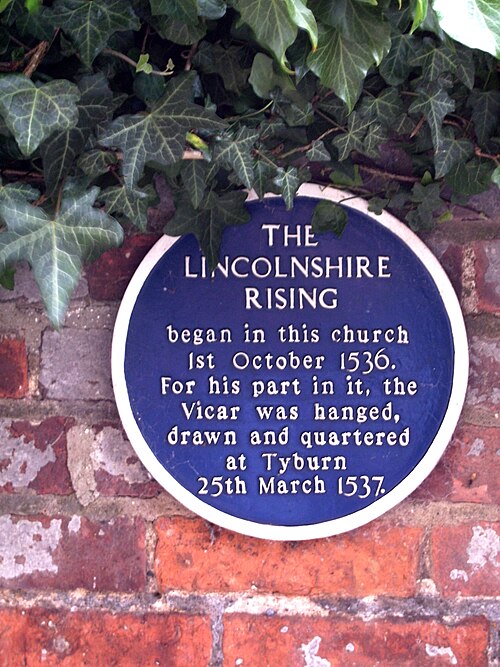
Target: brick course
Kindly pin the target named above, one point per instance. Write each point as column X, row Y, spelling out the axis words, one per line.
column 13, row 367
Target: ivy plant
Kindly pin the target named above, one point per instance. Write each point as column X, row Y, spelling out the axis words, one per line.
column 102, row 99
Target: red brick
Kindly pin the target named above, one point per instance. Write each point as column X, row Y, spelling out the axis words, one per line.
column 466, row 559
column 74, row 639
column 33, row 456
column 13, row 367
column 261, row 641
column 117, row 470
column 64, row 553
column 450, row 257
column 487, row 270
column 468, row 469
column 195, row 556
column 484, row 377
column 109, row 276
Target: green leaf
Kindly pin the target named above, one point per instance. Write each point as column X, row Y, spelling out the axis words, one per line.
column 7, row 278
column 61, row 149
column 215, row 59
column 263, row 173
column 96, row 162
column 340, row 64
column 436, row 61
column 4, row 4
column 357, row 23
column 385, row 108
column 234, row 152
column 495, row 176
column 375, row 136
column 318, row 152
column 159, row 135
column 56, row 245
column 208, row 223
column 485, row 113
column 272, row 24
column 343, row 179
column 450, row 152
column 353, row 138
column 395, row 67
column 181, row 10
column 143, row 64
column 470, row 178
column 131, row 204
column 288, row 181
column 194, row 177
column 18, row 190
column 264, row 78
column 475, row 23
column 304, row 19
column 90, row 23
column 178, row 31
column 32, row 113
column 329, row 217
column 434, row 103
column 419, row 13
column 212, row 9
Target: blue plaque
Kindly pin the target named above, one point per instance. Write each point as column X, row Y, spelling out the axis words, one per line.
column 305, row 387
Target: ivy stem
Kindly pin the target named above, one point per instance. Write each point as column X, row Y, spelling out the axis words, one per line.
column 189, row 57
column 378, row 171
column 487, row 156
column 132, row 63
column 59, row 198
column 304, row 149
column 265, row 158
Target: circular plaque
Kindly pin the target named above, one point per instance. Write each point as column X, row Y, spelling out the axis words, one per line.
column 306, row 386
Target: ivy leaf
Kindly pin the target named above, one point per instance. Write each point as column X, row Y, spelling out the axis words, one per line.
column 32, row 113
column 212, row 9
column 263, row 172
column 288, row 181
column 353, row 138
column 272, row 24
column 436, row 61
column 7, row 278
column 340, row 64
column 485, row 113
column 96, row 162
column 358, row 23
column 131, row 204
column 264, row 79
column 208, row 223
column 234, row 152
column 395, row 67
column 495, row 176
column 194, row 177
column 386, row 108
column 181, row 10
column 143, row 64
column 375, row 136
column 419, row 13
column 449, row 152
column 434, row 103
column 18, row 190
column 215, row 59
column 318, row 152
column 303, row 18
column 61, row 149
column 329, row 217
column 90, row 23
column 56, row 245
column 159, row 135
column 475, row 23
column 470, row 178
column 178, row 31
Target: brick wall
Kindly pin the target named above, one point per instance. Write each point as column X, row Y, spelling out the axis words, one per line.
column 99, row 566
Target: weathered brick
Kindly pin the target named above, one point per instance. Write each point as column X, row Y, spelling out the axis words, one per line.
column 98, row 639
column 109, row 276
column 13, row 367
column 33, row 456
column 117, row 469
column 339, row 642
column 487, row 270
column 468, row 470
column 63, row 553
column 484, row 376
column 76, row 364
column 450, row 256
column 196, row 556
column 466, row 559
